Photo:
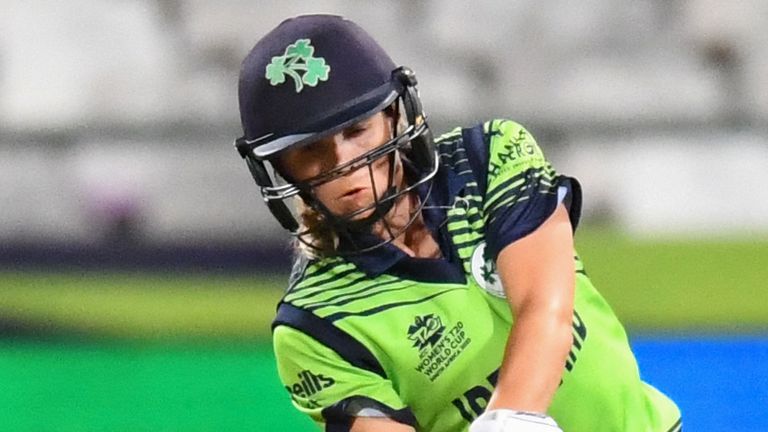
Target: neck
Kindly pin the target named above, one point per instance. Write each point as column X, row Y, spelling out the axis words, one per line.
column 414, row 239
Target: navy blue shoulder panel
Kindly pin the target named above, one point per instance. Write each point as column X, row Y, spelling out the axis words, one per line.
column 477, row 146
column 349, row 348
column 573, row 200
column 476, row 143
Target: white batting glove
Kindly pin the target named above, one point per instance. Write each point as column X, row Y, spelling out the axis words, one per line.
column 505, row 420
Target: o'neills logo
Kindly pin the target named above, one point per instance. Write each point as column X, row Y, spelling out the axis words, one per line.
column 438, row 347
column 484, row 271
column 309, row 384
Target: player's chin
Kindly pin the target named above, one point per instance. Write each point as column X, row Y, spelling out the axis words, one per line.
column 355, row 208
column 356, row 214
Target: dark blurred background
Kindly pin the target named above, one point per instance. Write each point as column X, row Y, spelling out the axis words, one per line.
column 139, row 270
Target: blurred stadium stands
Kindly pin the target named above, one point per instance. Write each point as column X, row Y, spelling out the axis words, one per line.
column 116, row 117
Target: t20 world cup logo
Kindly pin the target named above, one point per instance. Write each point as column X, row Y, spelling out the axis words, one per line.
column 426, row 331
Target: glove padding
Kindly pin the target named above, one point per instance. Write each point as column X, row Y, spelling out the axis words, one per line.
column 505, row 420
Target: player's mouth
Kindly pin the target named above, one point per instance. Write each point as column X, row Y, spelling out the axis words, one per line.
column 353, row 193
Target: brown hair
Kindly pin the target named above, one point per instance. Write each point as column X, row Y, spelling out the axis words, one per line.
column 319, row 240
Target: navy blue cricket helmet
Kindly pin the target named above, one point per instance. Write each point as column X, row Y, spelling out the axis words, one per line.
column 311, row 77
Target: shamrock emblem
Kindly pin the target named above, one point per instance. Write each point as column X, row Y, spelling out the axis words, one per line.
column 298, row 63
column 488, row 268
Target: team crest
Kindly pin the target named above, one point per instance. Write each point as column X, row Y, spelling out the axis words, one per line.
column 484, row 271
column 299, row 64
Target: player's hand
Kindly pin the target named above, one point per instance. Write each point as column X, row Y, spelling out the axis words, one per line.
column 504, row 420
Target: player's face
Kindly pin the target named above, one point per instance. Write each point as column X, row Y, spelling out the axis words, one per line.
column 354, row 190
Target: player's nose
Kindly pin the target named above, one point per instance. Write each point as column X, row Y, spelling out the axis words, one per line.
column 343, row 150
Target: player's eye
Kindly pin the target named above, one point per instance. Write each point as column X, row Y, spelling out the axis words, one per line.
column 355, row 130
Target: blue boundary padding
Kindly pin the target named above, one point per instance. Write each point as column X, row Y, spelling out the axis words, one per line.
column 719, row 382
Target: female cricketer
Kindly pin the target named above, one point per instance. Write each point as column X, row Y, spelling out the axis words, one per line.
column 435, row 286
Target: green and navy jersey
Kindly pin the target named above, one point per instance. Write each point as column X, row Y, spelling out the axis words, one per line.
column 421, row 340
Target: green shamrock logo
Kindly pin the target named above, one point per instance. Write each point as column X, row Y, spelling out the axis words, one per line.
column 296, row 60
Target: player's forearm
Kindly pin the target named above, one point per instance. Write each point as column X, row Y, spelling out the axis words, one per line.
column 537, row 273
column 534, row 358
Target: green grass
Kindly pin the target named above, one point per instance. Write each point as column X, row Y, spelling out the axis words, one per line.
column 678, row 285
column 143, row 306
column 142, row 387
